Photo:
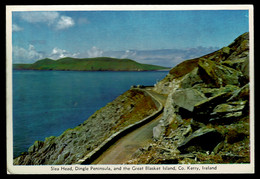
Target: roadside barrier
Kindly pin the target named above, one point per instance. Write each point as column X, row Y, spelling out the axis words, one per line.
column 94, row 154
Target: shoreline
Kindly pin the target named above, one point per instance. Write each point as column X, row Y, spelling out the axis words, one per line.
column 88, row 130
column 112, row 85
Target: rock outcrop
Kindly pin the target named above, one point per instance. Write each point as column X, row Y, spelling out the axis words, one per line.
column 206, row 115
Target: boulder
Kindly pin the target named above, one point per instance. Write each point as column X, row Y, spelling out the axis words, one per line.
column 218, row 75
column 240, row 94
column 203, row 139
column 227, row 111
column 203, row 109
column 230, row 107
column 190, row 79
column 187, row 98
column 158, row 130
column 211, row 92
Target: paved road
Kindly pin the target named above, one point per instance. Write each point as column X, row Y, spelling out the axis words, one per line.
column 122, row 150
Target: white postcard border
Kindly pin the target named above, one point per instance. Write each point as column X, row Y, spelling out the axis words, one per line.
column 122, row 169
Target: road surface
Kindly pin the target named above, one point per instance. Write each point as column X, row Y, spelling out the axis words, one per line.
column 123, row 149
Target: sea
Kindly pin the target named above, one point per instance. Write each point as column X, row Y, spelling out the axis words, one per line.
column 46, row 103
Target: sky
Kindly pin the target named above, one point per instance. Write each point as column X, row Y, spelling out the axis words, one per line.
column 154, row 37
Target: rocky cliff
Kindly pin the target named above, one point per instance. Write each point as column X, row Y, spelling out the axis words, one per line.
column 74, row 144
column 206, row 116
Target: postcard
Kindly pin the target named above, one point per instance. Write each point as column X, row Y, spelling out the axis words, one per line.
column 130, row 89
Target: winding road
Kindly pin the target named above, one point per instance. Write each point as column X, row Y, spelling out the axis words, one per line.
column 123, row 149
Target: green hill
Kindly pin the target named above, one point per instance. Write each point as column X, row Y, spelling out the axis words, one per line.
column 88, row 64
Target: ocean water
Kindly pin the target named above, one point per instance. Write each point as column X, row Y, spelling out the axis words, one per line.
column 46, row 103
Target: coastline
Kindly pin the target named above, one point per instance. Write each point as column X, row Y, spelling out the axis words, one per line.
column 115, row 112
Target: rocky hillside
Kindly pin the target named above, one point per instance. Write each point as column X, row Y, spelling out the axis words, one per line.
column 74, row 144
column 206, row 116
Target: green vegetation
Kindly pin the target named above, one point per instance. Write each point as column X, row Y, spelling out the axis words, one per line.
column 88, row 64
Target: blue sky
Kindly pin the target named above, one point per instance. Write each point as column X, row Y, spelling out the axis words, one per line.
column 56, row 34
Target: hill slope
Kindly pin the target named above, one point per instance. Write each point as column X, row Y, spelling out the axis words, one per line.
column 88, row 64
column 206, row 115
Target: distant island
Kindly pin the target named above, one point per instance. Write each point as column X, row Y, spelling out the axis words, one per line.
column 88, row 64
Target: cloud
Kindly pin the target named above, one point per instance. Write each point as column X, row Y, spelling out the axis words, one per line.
column 61, row 53
column 58, row 53
column 36, row 17
column 95, row 52
column 51, row 18
column 129, row 54
column 64, row 22
column 31, row 55
column 163, row 57
column 22, row 55
column 16, row 28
